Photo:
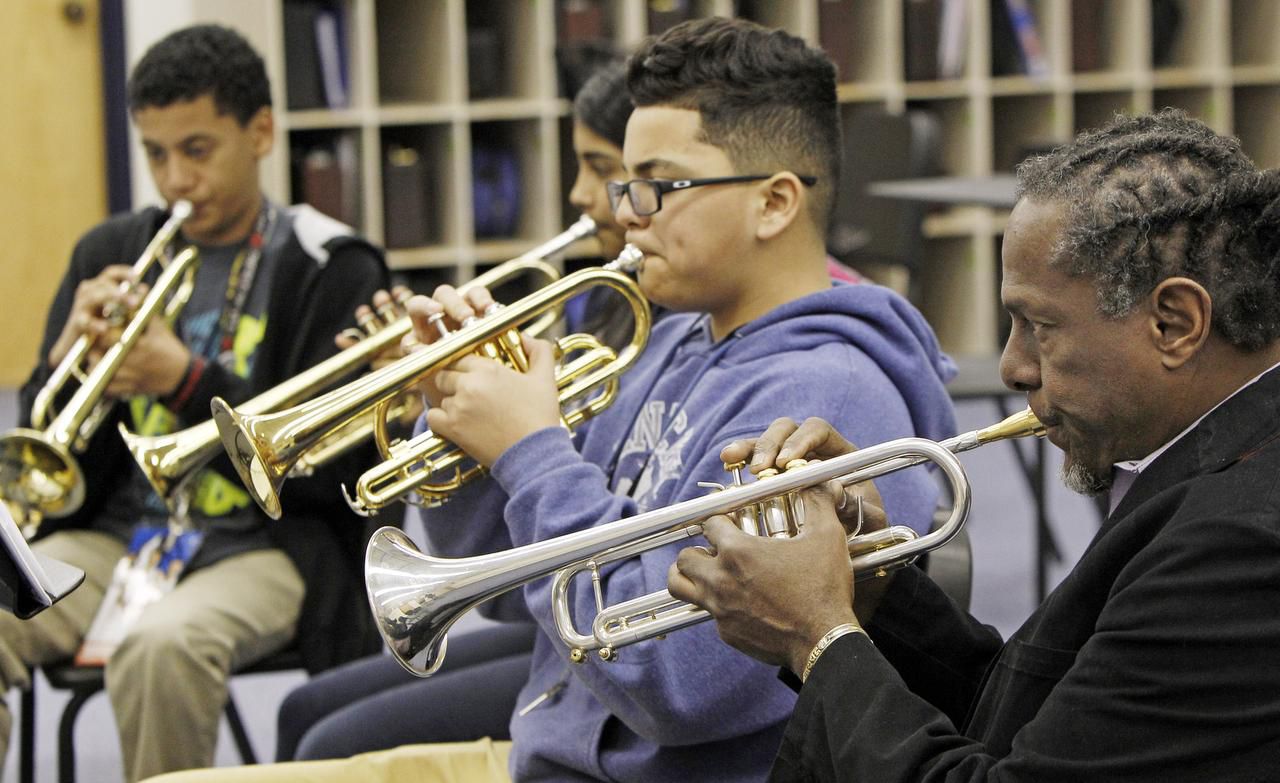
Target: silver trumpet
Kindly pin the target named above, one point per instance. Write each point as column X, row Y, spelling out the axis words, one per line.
column 415, row 598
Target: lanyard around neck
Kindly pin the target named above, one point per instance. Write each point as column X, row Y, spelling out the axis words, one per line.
column 244, row 269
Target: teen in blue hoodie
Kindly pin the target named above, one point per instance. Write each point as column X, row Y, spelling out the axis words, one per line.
column 759, row 332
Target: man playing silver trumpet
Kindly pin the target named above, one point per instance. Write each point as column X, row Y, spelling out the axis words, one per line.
column 273, row 286
column 1140, row 269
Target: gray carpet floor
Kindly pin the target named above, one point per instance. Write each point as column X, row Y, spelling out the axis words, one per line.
column 1004, row 554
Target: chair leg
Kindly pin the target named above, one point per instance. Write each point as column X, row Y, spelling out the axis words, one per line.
column 27, row 742
column 67, row 735
column 238, row 733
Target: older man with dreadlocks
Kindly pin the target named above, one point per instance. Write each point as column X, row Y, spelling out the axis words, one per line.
column 1140, row 268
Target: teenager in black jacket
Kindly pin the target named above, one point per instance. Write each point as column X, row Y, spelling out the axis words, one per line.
column 274, row 286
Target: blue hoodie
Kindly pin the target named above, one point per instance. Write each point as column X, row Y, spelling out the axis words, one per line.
column 689, row 707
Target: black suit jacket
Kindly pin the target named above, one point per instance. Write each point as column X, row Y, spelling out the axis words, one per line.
column 1157, row 658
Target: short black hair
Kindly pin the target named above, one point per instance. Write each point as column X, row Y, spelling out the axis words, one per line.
column 603, row 104
column 766, row 97
column 202, row 60
column 1160, row 196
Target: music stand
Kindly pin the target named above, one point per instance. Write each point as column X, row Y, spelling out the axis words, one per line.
column 29, row 581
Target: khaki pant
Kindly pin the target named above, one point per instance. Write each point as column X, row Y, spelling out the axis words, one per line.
column 167, row 680
column 482, row 761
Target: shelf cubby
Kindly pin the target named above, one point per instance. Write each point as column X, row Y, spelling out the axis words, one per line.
column 418, row 78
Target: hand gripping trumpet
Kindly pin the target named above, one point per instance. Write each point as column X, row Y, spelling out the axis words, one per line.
column 39, row 473
column 587, row 380
column 265, row 448
column 168, row 461
column 415, row 598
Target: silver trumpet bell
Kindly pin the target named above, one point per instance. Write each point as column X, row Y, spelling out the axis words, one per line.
column 415, row 598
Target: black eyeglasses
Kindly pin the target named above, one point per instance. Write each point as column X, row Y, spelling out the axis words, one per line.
column 646, row 194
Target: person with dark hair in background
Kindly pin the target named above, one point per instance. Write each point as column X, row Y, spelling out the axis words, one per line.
column 1141, row 271
column 735, row 138
column 273, row 287
column 373, row 703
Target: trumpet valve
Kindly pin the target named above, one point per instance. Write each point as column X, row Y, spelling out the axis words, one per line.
column 608, row 654
column 366, row 320
column 389, row 311
column 577, row 655
column 437, row 320
column 735, row 469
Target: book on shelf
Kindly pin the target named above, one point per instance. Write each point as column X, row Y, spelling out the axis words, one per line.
column 328, row 179
column 484, row 63
column 30, row 582
column 495, row 191
column 580, row 20
column 921, row 24
column 1030, row 45
column 953, row 35
column 303, row 80
column 331, row 52
column 406, row 213
column 315, row 56
column 1016, row 46
column 665, row 14
column 1166, row 20
column 838, row 35
column 1086, row 35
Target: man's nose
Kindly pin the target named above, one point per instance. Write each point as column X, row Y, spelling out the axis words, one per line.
column 1019, row 367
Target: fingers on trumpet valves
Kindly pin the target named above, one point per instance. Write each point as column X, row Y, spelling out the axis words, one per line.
column 428, row 318
column 367, row 320
column 435, row 322
column 388, row 309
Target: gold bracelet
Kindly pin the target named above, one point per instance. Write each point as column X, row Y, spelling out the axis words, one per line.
column 825, row 642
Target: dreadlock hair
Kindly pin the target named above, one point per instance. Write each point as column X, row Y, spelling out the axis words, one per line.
column 202, row 60
column 765, row 97
column 1162, row 196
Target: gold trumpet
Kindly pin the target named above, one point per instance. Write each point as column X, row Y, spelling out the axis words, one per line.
column 415, row 598
column 39, row 473
column 168, row 461
column 265, row 448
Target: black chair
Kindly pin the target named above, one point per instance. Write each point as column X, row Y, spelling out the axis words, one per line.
column 950, row 566
column 85, row 681
column 871, row 231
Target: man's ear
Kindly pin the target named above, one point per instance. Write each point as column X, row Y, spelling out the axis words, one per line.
column 782, row 198
column 262, row 126
column 1181, row 319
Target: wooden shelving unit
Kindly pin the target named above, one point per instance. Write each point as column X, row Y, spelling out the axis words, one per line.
column 410, row 86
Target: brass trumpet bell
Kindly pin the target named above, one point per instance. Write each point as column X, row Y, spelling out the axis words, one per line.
column 39, row 474
column 264, row 448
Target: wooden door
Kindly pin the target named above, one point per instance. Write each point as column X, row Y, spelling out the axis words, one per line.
column 52, row 173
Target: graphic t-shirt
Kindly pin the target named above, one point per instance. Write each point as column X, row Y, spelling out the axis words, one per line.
column 219, row 506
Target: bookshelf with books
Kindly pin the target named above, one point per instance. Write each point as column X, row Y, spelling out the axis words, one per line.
column 432, row 87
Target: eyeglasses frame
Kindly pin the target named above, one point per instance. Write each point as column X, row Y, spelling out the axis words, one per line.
column 616, row 190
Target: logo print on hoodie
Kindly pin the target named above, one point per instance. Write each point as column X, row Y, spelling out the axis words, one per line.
column 662, row 443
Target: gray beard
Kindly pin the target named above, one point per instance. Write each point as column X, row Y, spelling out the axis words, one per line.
column 1081, row 480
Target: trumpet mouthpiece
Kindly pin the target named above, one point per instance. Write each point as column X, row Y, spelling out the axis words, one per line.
column 631, row 259
column 181, row 209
